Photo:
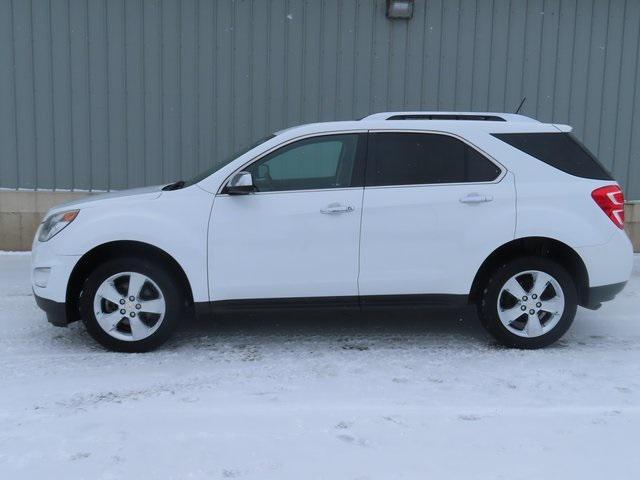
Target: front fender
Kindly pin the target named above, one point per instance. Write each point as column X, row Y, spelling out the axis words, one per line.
column 176, row 222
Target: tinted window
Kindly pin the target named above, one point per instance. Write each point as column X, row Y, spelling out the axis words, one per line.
column 560, row 150
column 313, row 163
column 419, row 158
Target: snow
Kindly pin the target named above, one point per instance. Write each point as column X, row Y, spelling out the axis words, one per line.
column 335, row 396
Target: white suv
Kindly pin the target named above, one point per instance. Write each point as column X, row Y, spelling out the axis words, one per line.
column 399, row 208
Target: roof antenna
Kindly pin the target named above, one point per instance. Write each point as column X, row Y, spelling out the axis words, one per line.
column 524, row 99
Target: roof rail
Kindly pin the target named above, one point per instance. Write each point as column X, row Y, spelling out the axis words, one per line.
column 478, row 116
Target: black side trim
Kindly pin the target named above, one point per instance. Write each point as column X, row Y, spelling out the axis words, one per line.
column 371, row 302
column 414, row 300
column 304, row 303
column 56, row 311
column 597, row 295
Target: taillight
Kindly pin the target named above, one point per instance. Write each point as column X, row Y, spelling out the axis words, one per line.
column 611, row 200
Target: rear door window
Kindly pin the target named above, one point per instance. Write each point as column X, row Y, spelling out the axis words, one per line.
column 560, row 150
column 401, row 158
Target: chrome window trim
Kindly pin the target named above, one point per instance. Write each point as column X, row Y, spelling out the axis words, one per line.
column 280, row 192
column 498, row 179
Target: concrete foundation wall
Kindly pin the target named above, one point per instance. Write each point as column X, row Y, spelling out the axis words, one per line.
column 21, row 212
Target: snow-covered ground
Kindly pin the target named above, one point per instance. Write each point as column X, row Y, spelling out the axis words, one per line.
column 303, row 397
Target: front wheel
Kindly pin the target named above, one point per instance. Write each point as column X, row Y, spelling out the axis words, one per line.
column 528, row 303
column 130, row 304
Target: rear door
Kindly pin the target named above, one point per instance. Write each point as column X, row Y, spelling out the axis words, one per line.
column 434, row 208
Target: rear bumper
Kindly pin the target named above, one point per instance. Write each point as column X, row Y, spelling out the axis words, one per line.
column 56, row 311
column 610, row 263
column 603, row 293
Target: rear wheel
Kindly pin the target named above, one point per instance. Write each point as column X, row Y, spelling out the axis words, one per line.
column 130, row 304
column 529, row 302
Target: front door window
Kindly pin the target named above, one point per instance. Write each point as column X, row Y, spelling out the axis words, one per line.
column 309, row 164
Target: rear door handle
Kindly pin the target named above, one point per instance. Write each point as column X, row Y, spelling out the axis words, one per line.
column 476, row 198
column 333, row 208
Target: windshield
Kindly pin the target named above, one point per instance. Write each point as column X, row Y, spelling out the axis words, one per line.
column 218, row 165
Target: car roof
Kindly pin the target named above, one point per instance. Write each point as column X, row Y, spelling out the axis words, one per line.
column 467, row 129
column 433, row 124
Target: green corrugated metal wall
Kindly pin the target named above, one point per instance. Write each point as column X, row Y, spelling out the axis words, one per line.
column 105, row 94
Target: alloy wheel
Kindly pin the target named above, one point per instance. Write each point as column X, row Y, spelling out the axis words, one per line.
column 129, row 306
column 530, row 303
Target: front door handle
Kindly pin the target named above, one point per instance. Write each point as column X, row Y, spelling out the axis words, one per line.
column 476, row 198
column 336, row 208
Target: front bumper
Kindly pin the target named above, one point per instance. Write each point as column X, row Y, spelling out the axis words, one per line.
column 50, row 274
column 53, row 284
column 56, row 311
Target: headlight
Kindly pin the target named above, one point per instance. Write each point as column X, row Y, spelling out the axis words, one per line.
column 55, row 224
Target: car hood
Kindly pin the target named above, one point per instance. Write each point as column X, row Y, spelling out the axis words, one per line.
column 143, row 193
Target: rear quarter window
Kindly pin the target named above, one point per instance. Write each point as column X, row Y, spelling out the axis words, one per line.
column 560, row 150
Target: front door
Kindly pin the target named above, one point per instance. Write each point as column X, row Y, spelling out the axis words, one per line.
column 297, row 236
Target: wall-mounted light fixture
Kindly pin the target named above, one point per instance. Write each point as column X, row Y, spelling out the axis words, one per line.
column 400, row 9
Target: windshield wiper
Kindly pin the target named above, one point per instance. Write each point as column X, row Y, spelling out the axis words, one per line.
column 174, row 186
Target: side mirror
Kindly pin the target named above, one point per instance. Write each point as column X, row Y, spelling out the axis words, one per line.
column 240, row 184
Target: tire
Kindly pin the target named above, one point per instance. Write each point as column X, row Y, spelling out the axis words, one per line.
column 554, row 308
column 124, row 325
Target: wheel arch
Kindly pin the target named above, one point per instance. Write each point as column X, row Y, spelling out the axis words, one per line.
column 115, row 249
column 544, row 247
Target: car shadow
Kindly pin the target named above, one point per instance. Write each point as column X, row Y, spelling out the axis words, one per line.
column 453, row 328
column 346, row 328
